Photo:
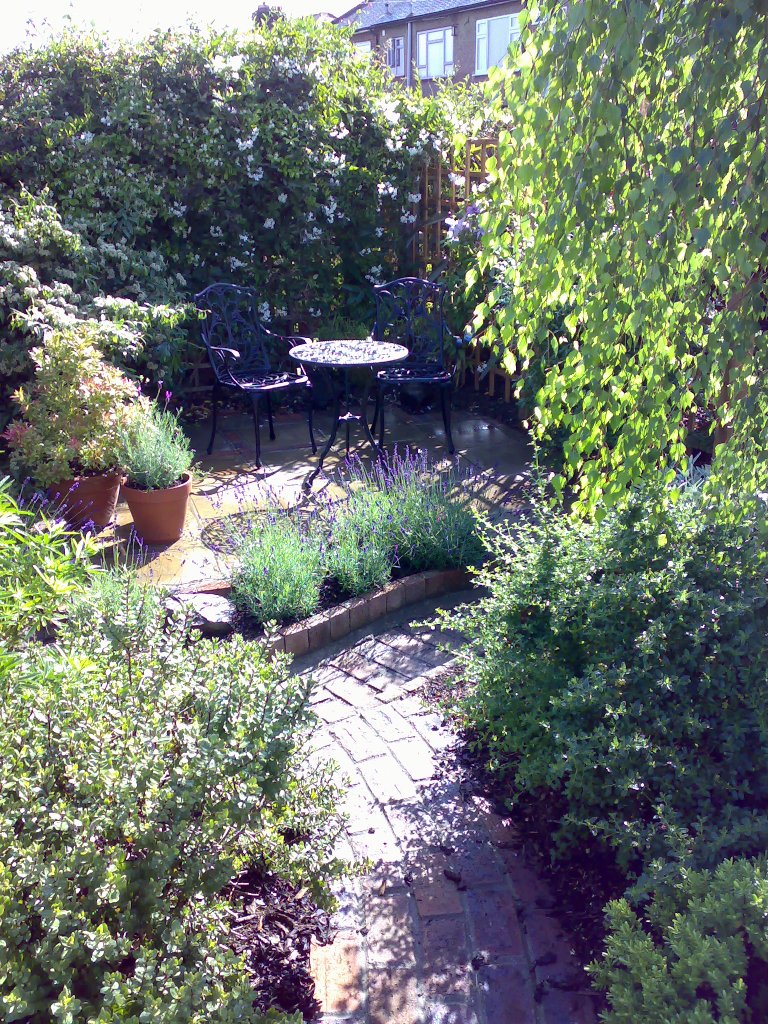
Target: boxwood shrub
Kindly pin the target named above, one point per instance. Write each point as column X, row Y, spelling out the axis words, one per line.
column 622, row 665
column 698, row 956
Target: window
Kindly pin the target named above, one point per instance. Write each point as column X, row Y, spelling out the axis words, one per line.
column 434, row 52
column 492, row 39
column 363, row 47
column 396, row 55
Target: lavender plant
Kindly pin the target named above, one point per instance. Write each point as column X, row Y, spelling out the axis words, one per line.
column 280, row 570
column 423, row 516
column 360, row 556
column 153, row 450
column 404, row 514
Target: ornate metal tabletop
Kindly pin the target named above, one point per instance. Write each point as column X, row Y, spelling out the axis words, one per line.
column 348, row 352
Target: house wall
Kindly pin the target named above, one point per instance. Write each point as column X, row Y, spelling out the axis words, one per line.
column 464, row 26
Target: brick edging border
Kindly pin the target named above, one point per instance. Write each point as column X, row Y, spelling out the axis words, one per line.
column 322, row 628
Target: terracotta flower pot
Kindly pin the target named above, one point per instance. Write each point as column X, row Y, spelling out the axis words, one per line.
column 158, row 516
column 86, row 500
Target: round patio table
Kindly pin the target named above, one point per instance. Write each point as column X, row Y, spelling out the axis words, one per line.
column 343, row 355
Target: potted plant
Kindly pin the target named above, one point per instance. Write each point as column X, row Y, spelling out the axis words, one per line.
column 72, row 413
column 155, row 456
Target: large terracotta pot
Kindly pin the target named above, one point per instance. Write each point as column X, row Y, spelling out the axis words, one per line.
column 158, row 516
column 86, row 500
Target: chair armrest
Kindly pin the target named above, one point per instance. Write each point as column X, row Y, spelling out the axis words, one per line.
column 232, row 352
column 281, row 343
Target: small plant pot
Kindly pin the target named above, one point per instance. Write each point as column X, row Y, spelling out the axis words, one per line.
column 158, row 516
column 86, row 500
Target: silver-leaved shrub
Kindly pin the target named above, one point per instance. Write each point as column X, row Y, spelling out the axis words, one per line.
column 140, row 769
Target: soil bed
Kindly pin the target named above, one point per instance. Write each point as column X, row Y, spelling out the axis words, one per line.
column 272, row 925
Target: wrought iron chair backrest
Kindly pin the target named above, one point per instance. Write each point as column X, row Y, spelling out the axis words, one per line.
column 232, row 321
column 409, row 311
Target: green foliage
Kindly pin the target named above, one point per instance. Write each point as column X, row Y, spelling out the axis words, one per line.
column 276, row 158
column 620, row 667
column 700, row 956
column 51, row 279
column 72, row 411
column 630, row 185
column 138, row 772
column 280, row 570
column 425, row 517
column 153, row 450
column 116, row 603
column 41, row 566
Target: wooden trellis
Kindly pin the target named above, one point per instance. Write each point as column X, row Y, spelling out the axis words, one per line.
column 445, row 190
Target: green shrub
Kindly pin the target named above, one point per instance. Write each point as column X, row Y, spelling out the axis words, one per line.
column 699, row 956
column 423, row 515
column 132, row 789
column 72, row 412
column 53, row 279
column 621, row 666
column 280, row 571
column 153, row 451
column 42, row 565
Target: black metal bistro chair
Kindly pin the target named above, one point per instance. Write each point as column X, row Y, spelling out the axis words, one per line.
column 409, row 311
column 245, row 357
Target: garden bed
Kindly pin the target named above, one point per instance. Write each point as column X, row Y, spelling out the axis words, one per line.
column 303, row 576
column 273, row 923
column 340, row 619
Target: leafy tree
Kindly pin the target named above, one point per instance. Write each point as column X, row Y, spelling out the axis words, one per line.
column 630, row 187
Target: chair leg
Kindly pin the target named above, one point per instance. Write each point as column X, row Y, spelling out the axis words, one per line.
column 214, row 409
column 269, row 416
column 311, row 421
column 255, row 413
column 445, row 401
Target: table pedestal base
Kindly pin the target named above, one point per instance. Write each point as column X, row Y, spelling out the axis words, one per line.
column 347, row 417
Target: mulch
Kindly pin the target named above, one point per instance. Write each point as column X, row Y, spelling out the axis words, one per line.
column 272, row 924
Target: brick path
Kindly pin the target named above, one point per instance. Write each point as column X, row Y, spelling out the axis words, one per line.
column 451, row 925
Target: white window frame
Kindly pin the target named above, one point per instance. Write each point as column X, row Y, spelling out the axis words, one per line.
column 434, row 38
column 365, row 46
column 483, row 35
column 396, row 55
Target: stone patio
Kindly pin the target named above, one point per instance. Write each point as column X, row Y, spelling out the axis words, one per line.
column 226, row 483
